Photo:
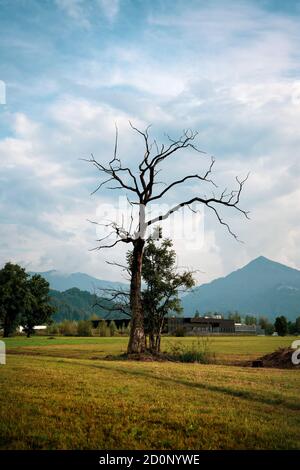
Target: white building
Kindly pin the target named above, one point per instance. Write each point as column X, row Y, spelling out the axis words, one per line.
column 37, row 327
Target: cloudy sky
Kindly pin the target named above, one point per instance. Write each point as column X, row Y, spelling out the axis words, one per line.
column 73, row 68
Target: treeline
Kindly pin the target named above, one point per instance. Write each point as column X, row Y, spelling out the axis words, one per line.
column 281, row 325
column 85, row 328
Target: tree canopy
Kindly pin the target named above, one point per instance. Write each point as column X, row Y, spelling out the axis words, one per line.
column 281, row 325
column 24, row 300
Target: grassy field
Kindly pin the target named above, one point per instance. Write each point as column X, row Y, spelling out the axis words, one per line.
column 228, row 349
column 62, row 394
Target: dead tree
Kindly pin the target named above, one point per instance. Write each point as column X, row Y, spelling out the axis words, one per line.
column 141, row 184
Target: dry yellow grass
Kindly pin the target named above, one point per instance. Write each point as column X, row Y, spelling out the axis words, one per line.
column 68, row 401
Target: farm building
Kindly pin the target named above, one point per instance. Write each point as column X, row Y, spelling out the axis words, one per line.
column 36, row 328
column 210, row 325
column 241, row 328
column 200, row 325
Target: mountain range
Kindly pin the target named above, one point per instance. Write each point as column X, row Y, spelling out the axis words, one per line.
column 262, row 287
column 62, row 281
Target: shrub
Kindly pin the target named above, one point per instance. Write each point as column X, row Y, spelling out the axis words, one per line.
column 68, row 328
column 53, row 329
column 198, row 351
column 84, row 328
column 103, row 328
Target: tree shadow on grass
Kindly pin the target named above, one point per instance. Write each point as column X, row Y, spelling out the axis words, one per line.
column 244, row 394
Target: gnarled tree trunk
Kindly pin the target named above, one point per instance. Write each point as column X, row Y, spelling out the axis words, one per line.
column 137, row 343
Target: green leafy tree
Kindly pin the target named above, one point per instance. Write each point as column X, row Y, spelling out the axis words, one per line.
column 294, row 327
column 38, row 310
column 68, row 328
column 281, row 325
column 266, row 325
column 197, row 314
column 84, row 328
column 291, row 328
column 163, row 282
column 14, row 297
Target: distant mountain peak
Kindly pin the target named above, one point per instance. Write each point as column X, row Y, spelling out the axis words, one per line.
column 262, row 260
column 252, row 289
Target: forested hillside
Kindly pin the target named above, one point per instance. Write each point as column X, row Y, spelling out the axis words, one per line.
column 75, row 304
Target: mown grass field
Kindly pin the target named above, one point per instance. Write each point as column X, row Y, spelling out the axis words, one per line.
column 61, row 393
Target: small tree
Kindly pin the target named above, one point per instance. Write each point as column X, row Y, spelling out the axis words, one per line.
column 68, row 328
column 112, row 328
column 53, row 329
column 266, row 325
column 281, row 325
column 84, row 328
column 163, row 282
column 102, row 328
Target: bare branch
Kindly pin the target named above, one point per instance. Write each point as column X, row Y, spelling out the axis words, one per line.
column 189, row 177
column 113, row 174
column 232, row 201
column 142, row 183
column 114, row 295
column 109, row 246
column 185, row 141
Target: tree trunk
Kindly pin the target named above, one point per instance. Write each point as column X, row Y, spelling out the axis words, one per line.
column 157, row 342
column 6, row 329
column 151, row 342
column 137, row 341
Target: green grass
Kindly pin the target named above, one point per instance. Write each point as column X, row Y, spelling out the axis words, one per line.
column 54, row 396
column 228, row 349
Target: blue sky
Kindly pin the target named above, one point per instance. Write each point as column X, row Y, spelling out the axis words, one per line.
column 72, row 68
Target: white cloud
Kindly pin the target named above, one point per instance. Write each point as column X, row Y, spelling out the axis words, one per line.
column 75, row 9
column 110, row 8
column 232, row 73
